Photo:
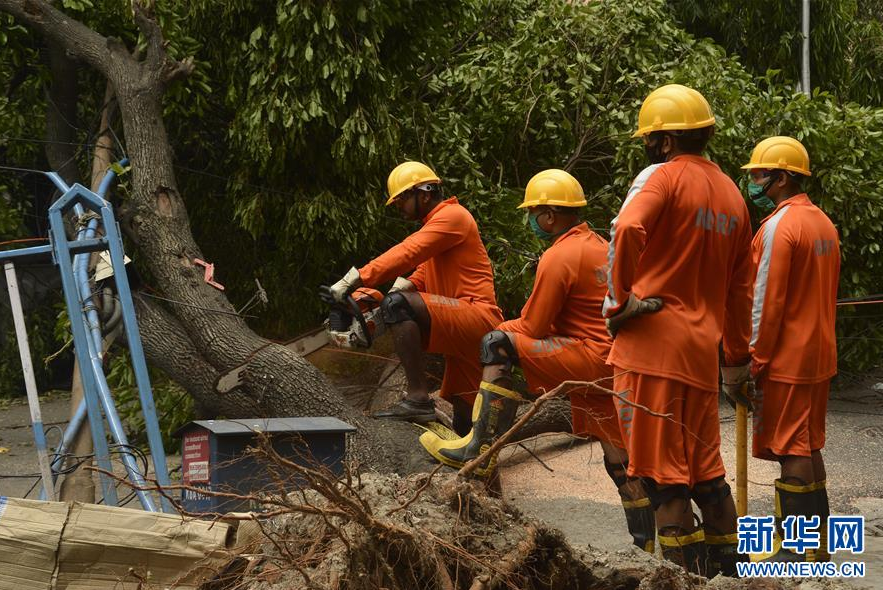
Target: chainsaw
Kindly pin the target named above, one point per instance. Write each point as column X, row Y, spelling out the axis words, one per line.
column 355, row 323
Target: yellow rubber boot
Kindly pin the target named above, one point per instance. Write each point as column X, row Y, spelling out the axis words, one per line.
column 492, row 414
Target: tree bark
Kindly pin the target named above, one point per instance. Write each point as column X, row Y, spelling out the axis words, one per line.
column 61, row 114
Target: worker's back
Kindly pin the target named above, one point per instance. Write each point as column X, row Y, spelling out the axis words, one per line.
column 581, row 254
column 797, row 257
column 568, row 293
column 683, row 235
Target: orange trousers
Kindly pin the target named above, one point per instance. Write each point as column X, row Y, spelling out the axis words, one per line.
column 548, row 362
column 457, row 327
column 789, row 418
column 680, row 447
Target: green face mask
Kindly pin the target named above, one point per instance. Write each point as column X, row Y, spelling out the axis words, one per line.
column 537, row 230
column 757, row 192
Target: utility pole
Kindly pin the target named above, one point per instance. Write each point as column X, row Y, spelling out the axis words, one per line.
column 804, row 73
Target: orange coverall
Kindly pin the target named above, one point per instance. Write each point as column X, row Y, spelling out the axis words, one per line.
column 561, row 336
column 453, row 275
column 793, row 344
column 682, row 234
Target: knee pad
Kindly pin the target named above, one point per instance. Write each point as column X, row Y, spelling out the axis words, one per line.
column 617, row 472
column 497, row 349
column 708, row 493
column 396, row 309
column 659, row 496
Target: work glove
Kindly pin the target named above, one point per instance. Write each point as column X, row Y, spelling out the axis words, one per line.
column 738, row 386
column 756, row 370
column 349, row 283
column 633, row 306
column 402, row 284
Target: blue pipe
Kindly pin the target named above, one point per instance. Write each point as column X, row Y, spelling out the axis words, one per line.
column 62, row 256
column 58, row 181
column 136, row 351
column 113, row 421
column 73, row 427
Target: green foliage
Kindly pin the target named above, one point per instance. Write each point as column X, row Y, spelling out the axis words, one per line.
column 311, row 95
column 846, row 40
column 20, row 112
column 174, row 407
column 512, row 89
column 297, row 111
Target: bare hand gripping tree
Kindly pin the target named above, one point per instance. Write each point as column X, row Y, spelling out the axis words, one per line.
column 190, row 344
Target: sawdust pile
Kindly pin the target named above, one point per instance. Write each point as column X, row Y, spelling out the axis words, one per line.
column 429, row 532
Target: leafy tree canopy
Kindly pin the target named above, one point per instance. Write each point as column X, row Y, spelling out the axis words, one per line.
column 297, row 110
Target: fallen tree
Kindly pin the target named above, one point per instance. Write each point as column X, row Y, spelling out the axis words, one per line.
column 199, row 336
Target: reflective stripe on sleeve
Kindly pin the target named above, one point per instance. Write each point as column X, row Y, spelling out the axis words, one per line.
column 763, row 271
column 638, row 184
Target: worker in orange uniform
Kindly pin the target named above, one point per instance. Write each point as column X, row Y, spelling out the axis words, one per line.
column 793, row 344
column 679, row 283
column 447, row 303
column 560, row 336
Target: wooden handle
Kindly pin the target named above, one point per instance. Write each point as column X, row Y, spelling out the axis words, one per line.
column 741, row 460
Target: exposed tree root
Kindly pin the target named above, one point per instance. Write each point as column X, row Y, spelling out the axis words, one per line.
column 427, row 531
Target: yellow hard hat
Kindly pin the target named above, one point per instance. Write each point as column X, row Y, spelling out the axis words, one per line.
column 780, row 153
column 672, row 107
column 408, row 175
column 553, row 187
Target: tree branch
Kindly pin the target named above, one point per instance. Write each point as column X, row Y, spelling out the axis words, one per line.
column 158, row 59
column 75, row 37
column 61, row 114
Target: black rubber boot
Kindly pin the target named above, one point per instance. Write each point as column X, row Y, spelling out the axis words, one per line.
column 823, row 509
column 492, row 415
column 723, row 555
column 639, row 514
column 688, row 551
column 791, row 499
column 641, row 521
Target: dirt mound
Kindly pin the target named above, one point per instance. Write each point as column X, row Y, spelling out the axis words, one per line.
column 428, row 531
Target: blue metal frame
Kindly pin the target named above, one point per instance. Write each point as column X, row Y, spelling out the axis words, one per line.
column 86, row 330
column 62, row 254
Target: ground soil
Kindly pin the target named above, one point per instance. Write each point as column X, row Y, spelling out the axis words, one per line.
column 564, row 485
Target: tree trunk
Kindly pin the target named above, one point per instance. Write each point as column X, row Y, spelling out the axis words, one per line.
column 198, row 335
column 61, row 113
column 195, row 335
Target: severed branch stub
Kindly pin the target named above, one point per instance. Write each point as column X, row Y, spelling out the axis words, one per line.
column 563, row 388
